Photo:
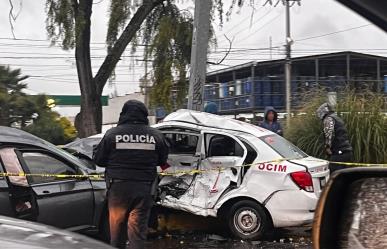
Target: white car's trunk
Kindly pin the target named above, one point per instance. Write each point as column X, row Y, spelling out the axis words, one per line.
column 319, row 170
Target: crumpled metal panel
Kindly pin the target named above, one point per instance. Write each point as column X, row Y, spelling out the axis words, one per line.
column 215, row 121
column 178, row 204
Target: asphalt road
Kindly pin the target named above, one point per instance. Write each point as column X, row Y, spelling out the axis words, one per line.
column 205, row 241
column 182, row 230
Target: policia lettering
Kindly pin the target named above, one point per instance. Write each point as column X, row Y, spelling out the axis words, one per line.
column 140, row 142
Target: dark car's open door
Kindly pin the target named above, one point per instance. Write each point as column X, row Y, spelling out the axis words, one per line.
column 57, row 201
column 62, row 202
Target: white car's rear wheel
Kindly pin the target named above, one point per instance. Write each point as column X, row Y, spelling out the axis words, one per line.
column 247, row 220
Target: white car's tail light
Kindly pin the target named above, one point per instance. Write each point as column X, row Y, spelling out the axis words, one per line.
column 303, row 180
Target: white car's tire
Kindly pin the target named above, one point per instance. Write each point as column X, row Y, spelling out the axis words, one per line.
column 247, row 220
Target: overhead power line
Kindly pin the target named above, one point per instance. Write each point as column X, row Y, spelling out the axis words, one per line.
column 332, row 33
column 260, row 28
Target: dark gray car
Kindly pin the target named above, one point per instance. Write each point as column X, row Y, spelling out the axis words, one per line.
column 21, row 234
column 76, row 204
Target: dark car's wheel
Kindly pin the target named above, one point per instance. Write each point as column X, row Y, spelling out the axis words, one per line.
column 247, row 220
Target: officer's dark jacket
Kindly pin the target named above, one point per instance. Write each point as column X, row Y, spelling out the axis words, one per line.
column 133, row 149
column 340, row 141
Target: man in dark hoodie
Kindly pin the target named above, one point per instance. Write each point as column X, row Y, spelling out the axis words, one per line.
column 131, row 152
column 337, row 145
column 271, row 121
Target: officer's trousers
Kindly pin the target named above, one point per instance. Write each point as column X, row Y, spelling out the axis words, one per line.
column 130, row 204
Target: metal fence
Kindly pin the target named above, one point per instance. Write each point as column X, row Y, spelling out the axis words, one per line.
column 256, row 93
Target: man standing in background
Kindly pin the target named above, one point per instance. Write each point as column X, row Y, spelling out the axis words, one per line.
column 337, row 144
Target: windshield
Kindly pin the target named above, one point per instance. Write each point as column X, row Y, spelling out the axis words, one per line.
column 283, row 147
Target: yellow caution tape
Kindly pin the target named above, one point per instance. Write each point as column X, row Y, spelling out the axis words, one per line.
column 189, row 172
column 21, row 174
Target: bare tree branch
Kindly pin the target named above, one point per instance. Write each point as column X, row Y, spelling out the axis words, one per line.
column 227, row 53
column 100, row 1
column 12, row 17
column 268, row 2
column 116, row 51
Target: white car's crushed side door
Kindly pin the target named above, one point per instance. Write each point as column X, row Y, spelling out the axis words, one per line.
column 223, row 154
column 184, row 157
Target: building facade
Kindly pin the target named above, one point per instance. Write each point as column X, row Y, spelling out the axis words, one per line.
column 249, row 87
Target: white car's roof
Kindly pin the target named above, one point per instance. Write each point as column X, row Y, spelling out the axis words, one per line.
column 209, row 120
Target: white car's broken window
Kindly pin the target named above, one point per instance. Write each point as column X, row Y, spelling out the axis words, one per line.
column 182, row 143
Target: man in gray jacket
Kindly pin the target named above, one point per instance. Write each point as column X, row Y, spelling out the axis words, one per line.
column 337, row 144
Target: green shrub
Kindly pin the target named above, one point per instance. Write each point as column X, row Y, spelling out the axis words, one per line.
column 364, row 117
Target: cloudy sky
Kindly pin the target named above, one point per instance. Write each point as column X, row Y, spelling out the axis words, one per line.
column 317, row 26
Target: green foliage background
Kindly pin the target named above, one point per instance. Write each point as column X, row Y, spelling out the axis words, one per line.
column 364, row 117
column 30, row 113
column 55, row 129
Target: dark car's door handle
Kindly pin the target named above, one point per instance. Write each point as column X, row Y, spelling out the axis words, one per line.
column 45, row 192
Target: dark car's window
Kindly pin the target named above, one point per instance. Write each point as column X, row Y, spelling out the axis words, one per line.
column 221, row 145
column 39, row 163
column 283, row 147
column 182, row 143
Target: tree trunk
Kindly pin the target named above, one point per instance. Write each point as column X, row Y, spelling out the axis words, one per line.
column 90, row 118
column 89, row 121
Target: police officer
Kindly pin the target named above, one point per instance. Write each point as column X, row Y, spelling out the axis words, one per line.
column 131, row 152
column 337, row 144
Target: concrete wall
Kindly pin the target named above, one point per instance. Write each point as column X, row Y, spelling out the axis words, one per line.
column 111, row 113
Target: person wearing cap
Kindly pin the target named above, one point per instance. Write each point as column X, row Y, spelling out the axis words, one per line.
column 337, row 144
column 131, row 152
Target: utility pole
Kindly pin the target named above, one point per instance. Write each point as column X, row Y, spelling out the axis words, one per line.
column 200, row 39
column 271, row 48
column 288, row 69
column 146, row 99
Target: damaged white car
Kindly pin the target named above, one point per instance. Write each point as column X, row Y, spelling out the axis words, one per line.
column 248, row 177
column 251, row 178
